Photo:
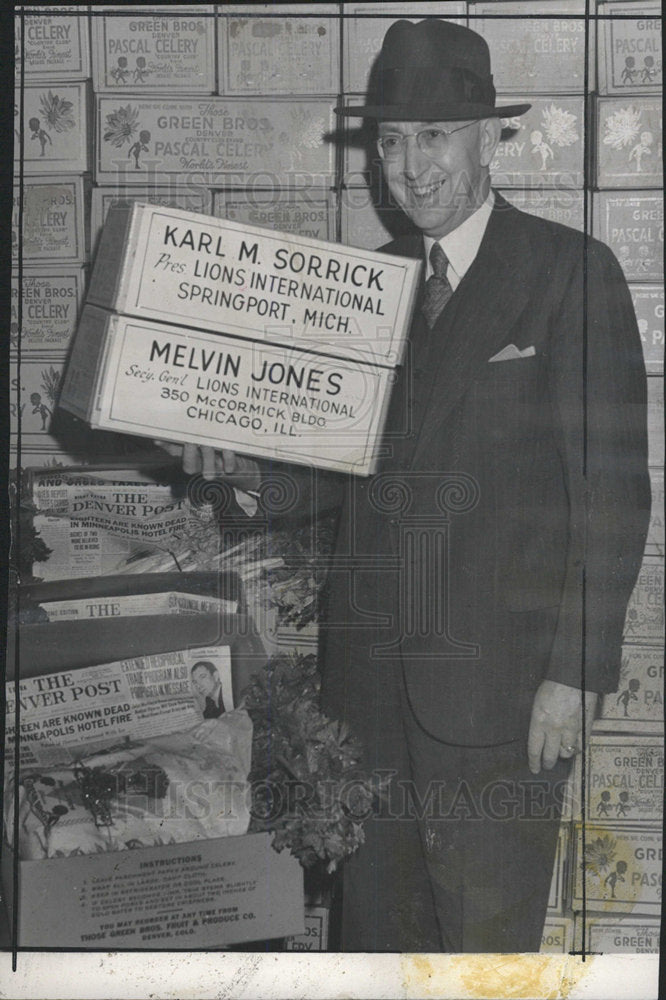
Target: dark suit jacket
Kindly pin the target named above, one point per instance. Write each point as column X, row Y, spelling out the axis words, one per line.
column 521, row 566
column 214, row 707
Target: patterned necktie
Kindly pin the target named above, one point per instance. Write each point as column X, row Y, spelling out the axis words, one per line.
column 438, row 291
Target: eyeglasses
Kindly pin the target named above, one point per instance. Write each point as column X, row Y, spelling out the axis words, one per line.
column 431, row 141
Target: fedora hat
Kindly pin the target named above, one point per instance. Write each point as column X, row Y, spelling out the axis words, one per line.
column 431, row 71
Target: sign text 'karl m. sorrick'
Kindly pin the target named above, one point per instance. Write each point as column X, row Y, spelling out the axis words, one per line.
column 175, row 266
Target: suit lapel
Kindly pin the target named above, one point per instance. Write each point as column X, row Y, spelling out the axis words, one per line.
column 477, row 319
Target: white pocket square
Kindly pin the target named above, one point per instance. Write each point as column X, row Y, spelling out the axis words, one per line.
column 511, row 352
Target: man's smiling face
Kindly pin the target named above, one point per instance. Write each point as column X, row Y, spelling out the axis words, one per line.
column 439, row 193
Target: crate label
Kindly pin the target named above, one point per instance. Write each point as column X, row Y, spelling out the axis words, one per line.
column 306, row 213
column 55, row 134
column 645, row 613
column 219, row 140
column 146, row 50
column 629, row 142
column 546, row 54
column 633, row 226
column 621, row 866
column 49, row 308
column 365, row 32
column 617, row 935
column 649, row 305
column 54, row 45
column 260, row 54
column 545, row 146
column 631, row 50
column 52, row 220
column 625, row 778
column 556, row 935
column 34, row 399
column 639, row 699
column 315, row 937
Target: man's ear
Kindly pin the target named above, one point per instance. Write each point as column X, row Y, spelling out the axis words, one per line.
column 489, row 136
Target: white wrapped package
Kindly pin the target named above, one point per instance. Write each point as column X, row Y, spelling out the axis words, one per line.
column 171, row 789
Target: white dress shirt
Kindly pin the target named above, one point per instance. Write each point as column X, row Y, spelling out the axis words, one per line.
column 462, row 245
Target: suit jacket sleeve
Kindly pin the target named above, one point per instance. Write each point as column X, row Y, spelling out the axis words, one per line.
column 598, row 392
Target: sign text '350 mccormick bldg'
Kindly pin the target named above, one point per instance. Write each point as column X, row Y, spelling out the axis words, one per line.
column 203, row 330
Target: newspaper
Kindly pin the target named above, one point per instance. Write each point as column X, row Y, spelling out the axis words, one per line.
column 65, row 714
column 94, row 522
column 134, row 605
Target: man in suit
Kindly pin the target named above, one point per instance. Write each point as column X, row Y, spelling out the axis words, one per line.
column 206, row 682
column 477, row 608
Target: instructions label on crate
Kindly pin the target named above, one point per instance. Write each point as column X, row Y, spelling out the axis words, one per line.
column 208, row 893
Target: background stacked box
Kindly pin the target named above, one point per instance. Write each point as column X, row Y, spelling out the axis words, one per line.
column 52, row 117
column 617, row 826
column 229, row 110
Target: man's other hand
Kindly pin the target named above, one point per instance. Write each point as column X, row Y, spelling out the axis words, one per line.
column 238, row 470
column 556, row 727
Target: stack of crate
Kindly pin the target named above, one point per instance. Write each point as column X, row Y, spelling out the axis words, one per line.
column 616, row 862
column 52, row 143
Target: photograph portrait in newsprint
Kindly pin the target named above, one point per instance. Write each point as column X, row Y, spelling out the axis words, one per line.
column 336, row 584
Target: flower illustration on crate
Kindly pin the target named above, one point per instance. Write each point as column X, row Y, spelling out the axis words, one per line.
column 51, row 383
column 622, row 127
column 121, row 125
column 308, row 132
column 599, row 855
column 558, row 128
column 58, row 112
